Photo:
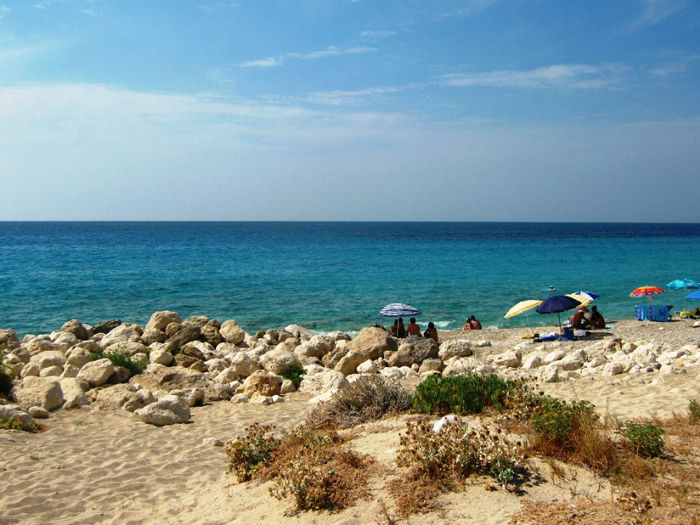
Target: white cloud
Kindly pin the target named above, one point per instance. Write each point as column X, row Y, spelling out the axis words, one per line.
column 657, row 10
column 342, row 98
column 572, row 76
column 675, row 66
column 470, row 7
column 376, row 35
column 322, row 53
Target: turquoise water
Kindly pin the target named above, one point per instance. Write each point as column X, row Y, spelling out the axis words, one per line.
column 328, row 276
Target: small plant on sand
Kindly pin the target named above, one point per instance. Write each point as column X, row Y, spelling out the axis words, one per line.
column 295, row 374
column 694, row 410
column 468, row 394
column 248, row 454
column 557, row 420
column 645, row 438
column 453, row 452
column 368, row 398
column 317, row 471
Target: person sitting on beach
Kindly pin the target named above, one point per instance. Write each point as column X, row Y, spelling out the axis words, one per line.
column 575, row 319
column 413, row 328
column 431, row 332
column 471, row 324
column 597, row 319
column 394, row 330
column 401, row 329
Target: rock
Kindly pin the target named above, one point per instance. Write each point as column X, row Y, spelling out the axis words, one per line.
column 239, row 398
column 128, row 348
column 483, row 343
column 532, row 361
column 431, row 365
column 9, row 339
column 370, row 343
column 287, row 387
column 127, row 397
column 279, row 361
column 151, row 335
column 96, row 373
column 106, row 326
column 191, row 396
column 17, row 416
column 572, row 361
column 325, row 381
column 76, row 328
column 69, row 371
column 38, row 391
column 121, row 375
column 550, row 374
column 244, row 365
column 161, row 357
column 509, row 359
column 64, row 339
column 49, row 358
column 554, row 355
column 121, row 334
column 52, row 371
column 159, row 377
column 226, row 376
column 168, row 410
column 78, row 357
column 37, row 346
column 299, row 331
column 367, row 367
column 30, row 369
column 455, row 348
column 73, row 394
column 613, row 369
column 461, row 366
column 211, row 334
column 38, row 412
column 160, row 320
column 231, row 332
column 263, row 383
column 212, row 442
column 186, row 334
column 414, row 352
column 172, row 329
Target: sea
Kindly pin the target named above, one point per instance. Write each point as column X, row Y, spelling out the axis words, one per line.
column 331, row 276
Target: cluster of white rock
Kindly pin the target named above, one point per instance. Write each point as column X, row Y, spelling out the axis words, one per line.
column 199, row 360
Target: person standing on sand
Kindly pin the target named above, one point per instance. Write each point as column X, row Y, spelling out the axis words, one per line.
column 413, row 328
column 431, row 332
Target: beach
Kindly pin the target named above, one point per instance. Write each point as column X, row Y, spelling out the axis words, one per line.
column 97, row 465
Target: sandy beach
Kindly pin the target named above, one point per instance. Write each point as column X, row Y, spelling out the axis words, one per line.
column 105, row 466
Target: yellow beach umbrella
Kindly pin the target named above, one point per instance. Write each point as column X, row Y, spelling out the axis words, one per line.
column 585, row 301
column 522, row 307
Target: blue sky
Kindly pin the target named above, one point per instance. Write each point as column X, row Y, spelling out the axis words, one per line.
column 350, row 110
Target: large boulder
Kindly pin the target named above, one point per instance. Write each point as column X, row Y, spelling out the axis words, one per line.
column 299, row 331
column 160, row 320
column 151, row 335
column 76, row 328
column 105, row 327
column 231, row 332
column 414, row 352
column 244, row 364
column 96, row 373
column 128, row 397
column 38, row 345
column 211, row 334
column 78, row 357
column 122, row 333
column 262, row 383
column 455, row 348
column 159, row 377
column 370, row 343
column 186, row 334
column 128, row 348
column 280, row 360
column 324, row 381
column 169, row 410
column 17, row 416
column 73, row 394
column 8, row 339
column 38, row 391
column 48, row 359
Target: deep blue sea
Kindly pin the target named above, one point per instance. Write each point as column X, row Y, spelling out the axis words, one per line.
column 328, row 275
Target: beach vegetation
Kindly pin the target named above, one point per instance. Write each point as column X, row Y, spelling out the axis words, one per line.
column 135, row 366
column 295, row 374
column 694, row 410
column 367, row 399
column 468, row 394
column 173, row 349
column 645, row 438
column 249, row 453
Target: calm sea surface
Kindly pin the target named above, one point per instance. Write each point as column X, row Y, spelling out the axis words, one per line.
column 328, row 276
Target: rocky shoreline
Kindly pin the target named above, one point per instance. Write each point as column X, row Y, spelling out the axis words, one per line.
column 171, row 365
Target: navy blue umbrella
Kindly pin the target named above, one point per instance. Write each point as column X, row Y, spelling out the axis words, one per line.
column 399, row 310
column 556, row 304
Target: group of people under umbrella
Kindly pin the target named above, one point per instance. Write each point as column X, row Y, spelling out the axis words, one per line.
column 583, row 318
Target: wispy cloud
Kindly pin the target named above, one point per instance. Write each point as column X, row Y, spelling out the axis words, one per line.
column 470, row 7
column 349, row 97
column 571, row 76
column 674, row 66
column 329, row 51
column 376, row 35
column 655, row 11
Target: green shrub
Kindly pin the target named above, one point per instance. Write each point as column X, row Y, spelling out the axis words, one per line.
column 369, row 398
column 295, row 374
column 249, row 453
column 645, row 438
column 694, row 410
column 557, row 420
column 135, row 366
column 468, row 394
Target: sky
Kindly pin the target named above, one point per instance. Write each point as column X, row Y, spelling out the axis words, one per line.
column 369, row 110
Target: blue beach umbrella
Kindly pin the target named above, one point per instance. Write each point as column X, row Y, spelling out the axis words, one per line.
column 693, row 295
column 586, row 295
column 677, row 284
column 557, row 304
column 399, row 310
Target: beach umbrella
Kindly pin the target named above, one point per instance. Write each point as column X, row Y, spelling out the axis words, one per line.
column 585, row 298
column 693, row 295
column 399, row 310
column 557, row 304
column 677, row 284
column 646, row 291
column 522, row 307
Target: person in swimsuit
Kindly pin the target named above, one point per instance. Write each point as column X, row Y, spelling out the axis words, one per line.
column 413, row 328
column 431, row 332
